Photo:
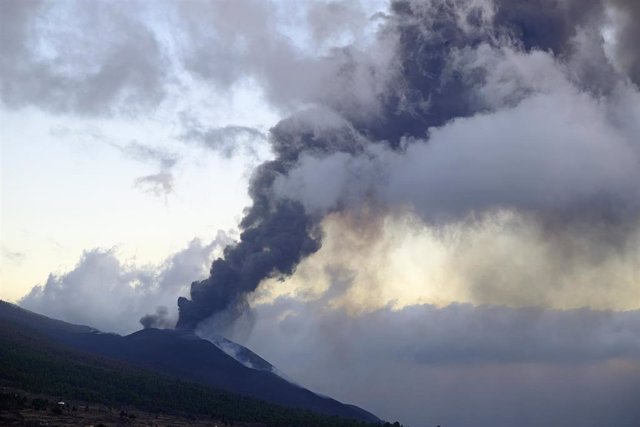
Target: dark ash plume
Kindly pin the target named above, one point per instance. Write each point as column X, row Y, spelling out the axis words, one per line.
column 273, row 246
column 547, row 25
column 277, row 234
column 427, row 91
column 426, row 95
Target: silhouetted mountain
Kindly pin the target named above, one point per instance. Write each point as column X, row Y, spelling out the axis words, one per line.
column 187, row 356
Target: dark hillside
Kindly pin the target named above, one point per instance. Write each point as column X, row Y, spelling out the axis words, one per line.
column 31, row 362
column 152, row 369
column 185, row 355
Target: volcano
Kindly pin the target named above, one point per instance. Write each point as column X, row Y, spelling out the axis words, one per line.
column 224, row 365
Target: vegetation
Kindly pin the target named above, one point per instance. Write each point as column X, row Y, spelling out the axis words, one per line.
column 30, row 362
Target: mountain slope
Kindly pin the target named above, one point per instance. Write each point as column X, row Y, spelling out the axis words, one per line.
column 30, row 363
column 186, row 356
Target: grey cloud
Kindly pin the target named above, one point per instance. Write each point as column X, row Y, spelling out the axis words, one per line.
column 457, row 334
column 81, row 57
column 422, row 364
column 566, row 164
column 13, row 256
column 248, row 42
column 333, row 19
column 159, row 184
column 315, row 132
column 550, row 154
column 547, row 24
column 558, row 152
column 226, row 140
column 146, row 153
column 628, row 35
column 105, row 58
column 116, row 57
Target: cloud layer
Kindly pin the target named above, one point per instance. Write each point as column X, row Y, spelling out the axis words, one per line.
column 461, row 364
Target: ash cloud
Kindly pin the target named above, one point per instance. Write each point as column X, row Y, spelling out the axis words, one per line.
column 402, row 118
column 482, row 109
column 274, row 240
column 160, row 319
column 559, row 155
column 277, row 234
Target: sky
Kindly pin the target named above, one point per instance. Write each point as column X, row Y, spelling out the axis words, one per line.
column 429, row 208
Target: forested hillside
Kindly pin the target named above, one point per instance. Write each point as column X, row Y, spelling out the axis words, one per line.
column 30, row 362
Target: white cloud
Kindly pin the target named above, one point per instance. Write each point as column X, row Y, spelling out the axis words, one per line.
column 111, row 295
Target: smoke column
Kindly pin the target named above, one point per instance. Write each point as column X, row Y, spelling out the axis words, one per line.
column 426, row 91
column 276, row 234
